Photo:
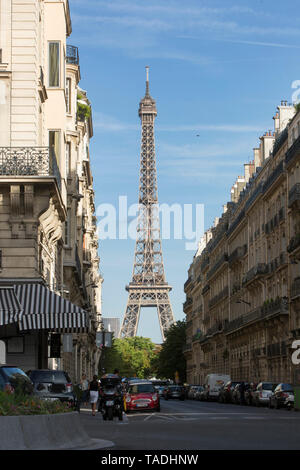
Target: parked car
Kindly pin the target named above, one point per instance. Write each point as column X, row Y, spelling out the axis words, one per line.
column 282, row 396
column 142, row 396
column 213, row 384
column 198, row 393
column 13, row 379
column 239, row 392
column 225, row 395
column 263, row 392
column 191, row 392
column 174, row 391
column 249, row 393
column 53, row 385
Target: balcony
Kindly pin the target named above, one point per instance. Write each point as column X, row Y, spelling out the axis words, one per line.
column 294, row 243
column 294, row 196
column 216, row 328
column 293, row 152
column 273, row 307
column 223, row 259
column 255, row 272
column 29, row 162
column 188, row 303
column 188, row 283
column 237, row 254
column 273, row 177
column 87, row 258
column 205, row 289
column 197, row 336
column 72, row 56
column 269, row 309
column 279, row 141
column 236, row 222
column 295, row 288
column 205, row 263
column 217, row 298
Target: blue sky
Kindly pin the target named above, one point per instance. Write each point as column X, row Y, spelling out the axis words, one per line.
column 217, row 69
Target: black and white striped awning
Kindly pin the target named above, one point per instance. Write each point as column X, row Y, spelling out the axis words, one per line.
column 45, row 310
column 10, row 307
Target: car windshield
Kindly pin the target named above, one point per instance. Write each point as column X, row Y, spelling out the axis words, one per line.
column 14, row 373
column 49, row 376
column 176, row 389
column 287, row 387
column 267, row 386
column 142, row 388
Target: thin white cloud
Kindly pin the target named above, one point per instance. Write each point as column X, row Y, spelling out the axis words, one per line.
column 251, row 43
column 109, row 123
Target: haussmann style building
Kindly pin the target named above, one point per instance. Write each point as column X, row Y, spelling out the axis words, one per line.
column 243, row 289
column 50, row 284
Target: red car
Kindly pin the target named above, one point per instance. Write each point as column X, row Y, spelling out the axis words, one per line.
column 142, row 396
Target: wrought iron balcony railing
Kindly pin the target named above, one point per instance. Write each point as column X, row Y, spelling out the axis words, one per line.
column 268, row 309
column 293, row 152
column 72, row 56
column 237, row 254
column 29, row 161
column 294, row 243
column 294, row 194
column 259, row 270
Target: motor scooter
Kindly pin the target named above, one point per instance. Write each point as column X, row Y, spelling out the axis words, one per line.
column 111, row 397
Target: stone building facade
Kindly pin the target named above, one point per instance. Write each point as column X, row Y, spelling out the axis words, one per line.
column 243, row 288
column 48, row 230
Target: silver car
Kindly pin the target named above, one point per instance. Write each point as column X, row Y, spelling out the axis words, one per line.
column 263, row 392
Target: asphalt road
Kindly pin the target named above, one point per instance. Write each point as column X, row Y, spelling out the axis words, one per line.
column 194, row 425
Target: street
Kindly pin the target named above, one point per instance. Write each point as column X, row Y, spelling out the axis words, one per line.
column 194, row 425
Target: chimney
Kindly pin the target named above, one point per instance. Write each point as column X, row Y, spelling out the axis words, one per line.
column 257, row 157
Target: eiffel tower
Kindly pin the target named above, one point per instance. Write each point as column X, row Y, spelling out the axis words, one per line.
column 148, row 287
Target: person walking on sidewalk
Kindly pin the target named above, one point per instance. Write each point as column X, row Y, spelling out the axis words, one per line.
column 94, row 393
column 84, row 385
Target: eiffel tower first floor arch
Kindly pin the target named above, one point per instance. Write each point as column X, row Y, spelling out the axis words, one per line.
column 147, row 296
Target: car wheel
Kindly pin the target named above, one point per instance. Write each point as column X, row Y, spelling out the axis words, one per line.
column 277, row 405
column 158, row 409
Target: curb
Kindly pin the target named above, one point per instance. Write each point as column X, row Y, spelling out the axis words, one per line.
column 62, row 431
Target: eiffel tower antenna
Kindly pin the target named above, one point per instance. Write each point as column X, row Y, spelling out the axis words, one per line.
column 148, row 287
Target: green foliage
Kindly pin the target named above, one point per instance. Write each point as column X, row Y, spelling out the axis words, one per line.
column 83, row 111
column 171, row 358
column 17, row 404
column 132, row 356
column 297, row 107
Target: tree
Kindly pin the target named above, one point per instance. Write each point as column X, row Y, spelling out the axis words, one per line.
column 132, row 356
column 171, row 358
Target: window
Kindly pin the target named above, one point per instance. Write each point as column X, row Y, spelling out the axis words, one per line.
column 68, row 95
column 68, row 228
column 54, row 66
column 54, row 143
column 68, row 158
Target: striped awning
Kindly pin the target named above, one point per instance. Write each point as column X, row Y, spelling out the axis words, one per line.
column 10, row 307
column 45, row 310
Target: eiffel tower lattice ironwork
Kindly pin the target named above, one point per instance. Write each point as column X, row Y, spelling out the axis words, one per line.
column 148, row 287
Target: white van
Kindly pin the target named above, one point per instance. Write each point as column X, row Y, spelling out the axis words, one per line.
column 213, row 383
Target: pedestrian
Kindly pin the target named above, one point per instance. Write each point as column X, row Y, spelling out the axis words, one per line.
column 84, row 385
column 94, row 393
